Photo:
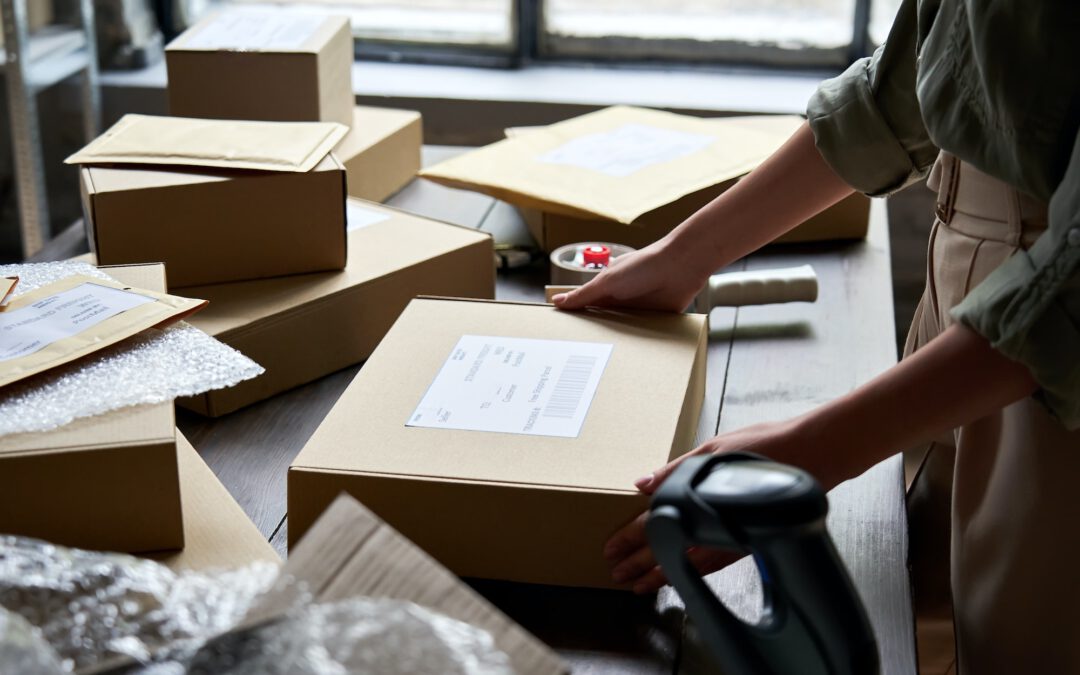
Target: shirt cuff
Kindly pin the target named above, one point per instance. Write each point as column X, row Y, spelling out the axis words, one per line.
column 1019, row 309
column 853, row 136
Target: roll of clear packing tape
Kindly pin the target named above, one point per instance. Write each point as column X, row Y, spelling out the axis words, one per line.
column 568, row 267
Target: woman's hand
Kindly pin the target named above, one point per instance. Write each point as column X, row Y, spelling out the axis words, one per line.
column 628, row 553
column 659, row 277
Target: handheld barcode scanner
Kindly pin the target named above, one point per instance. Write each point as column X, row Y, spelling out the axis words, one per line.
column 812, row 621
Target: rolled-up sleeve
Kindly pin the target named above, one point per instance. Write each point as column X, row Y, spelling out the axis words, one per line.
column 1029, row 307
column 867, row 123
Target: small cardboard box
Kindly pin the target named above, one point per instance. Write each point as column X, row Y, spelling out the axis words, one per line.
column 306, row 326
column 381, row 153
column 350, row 552
column 211, row 225
column 108, row 482
column 630, row 175
column 217, row 532
column 263, row 64
column 513, row 505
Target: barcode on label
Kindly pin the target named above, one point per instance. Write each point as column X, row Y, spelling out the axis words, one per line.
column 566, row 396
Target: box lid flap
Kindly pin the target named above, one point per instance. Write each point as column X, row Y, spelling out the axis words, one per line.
column 616, row 164
column 226, row 144
column 350, row 552
column 629, row 428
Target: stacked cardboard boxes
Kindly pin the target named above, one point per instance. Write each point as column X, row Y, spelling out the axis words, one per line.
column 108, row 482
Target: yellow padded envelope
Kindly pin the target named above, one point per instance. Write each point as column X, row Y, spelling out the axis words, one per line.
column 228, row 144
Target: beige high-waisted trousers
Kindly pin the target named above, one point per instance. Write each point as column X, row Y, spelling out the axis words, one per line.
column 1014, row 476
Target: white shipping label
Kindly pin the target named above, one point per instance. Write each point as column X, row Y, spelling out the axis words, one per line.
column 628, row 149
column 358, row 217
column 31, row 328
column 514, row 386
column 257, row 30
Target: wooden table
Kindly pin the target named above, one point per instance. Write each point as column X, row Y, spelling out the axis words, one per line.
column 765, row 363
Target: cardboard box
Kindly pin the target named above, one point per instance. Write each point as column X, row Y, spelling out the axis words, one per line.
column 303, row 327
column 350, row 552
column 217, row 532
column 381, row 154
column 510, row 506
column 211, row 225
column 630, row 175
column 263, row 64
column 107, row 482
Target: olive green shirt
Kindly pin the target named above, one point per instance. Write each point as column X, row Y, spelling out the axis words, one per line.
column 996, row 83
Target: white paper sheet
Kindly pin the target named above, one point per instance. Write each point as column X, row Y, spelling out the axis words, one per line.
column 257, row 30
column 29, row 329
column 514, row 386
column 358, row 217
column 627, row 149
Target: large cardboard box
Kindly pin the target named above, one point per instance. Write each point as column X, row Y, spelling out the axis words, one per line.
column 505, row 503
column 263, row 64
column 306, row 326
column 211, row 225
column 217, row 532
column 630, row 175
column 108, row 482
column 351, row 552
column 381, row 153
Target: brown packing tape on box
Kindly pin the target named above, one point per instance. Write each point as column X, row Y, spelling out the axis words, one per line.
column 350, row 552
column 108, row 482
column 507, row 505
column 265, row 64
column 306, row 326
column 847, row 220
column 381, row 152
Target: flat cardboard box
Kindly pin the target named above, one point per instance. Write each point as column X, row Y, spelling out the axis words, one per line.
column 303, row 327
column 212, row 225
column 217, row 532
column 507, row 505
column 263, row 64
column 108, row 482
column 351, row 552
column 567, row 203
column 381, row 153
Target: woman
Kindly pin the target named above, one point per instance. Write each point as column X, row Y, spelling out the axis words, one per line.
column 987, row 94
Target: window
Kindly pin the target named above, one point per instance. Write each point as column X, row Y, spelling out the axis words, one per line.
column 818, row 33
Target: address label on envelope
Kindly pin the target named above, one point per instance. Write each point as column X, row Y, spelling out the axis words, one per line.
column 628, row 149
column 515, row 386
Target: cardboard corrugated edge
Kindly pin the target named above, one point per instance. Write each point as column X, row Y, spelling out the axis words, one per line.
column 349, row 552
column 597, row 512
column 221, row 402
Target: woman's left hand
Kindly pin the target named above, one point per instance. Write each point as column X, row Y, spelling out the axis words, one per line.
column 628, row 552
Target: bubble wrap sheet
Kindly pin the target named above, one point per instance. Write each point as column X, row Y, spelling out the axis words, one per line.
column 152, row 367
column 65, row 609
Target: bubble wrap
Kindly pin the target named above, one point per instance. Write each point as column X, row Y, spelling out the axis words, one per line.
column 72, row 609
column 152, row 367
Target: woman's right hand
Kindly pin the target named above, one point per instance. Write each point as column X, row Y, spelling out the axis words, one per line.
column 660, row 277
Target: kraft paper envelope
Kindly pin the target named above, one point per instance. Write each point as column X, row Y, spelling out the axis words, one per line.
column 228, row 144
column 617, row 164
column 76, row 316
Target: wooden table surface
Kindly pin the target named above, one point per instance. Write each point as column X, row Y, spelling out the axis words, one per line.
column 764, row 363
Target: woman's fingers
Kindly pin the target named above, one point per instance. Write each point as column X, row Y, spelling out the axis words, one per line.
column 594, row 293
column 628, row 539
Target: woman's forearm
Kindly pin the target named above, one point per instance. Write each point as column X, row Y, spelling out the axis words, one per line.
column 791, row 186
column 955, row 379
